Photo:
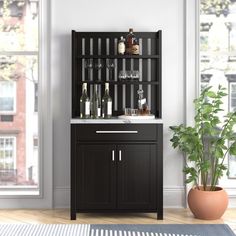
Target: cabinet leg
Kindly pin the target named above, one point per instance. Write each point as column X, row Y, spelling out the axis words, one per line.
column 160, row 215
column 73, row 215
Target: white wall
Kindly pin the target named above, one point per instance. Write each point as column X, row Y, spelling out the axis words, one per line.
column 108, row 15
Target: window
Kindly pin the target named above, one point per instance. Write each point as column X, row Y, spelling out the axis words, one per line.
column 19, row 82
column 8, row 171
column 7, row 153
column 7, row 97
column 232, row 96
column 232, row 167
column 217, row 47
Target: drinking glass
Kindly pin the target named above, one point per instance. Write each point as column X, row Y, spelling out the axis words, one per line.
column 110, row 66
column 89, row 66
column 127, row 111
column 134, row 112
column 99, row 64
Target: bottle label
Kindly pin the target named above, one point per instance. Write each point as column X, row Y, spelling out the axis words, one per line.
column 99, row 111
column 121, row 48
column 87, row 108
column 109, row 108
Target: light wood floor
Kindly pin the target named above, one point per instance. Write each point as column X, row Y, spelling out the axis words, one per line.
column 62, row 216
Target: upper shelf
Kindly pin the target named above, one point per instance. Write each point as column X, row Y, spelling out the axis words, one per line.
column 118, row 56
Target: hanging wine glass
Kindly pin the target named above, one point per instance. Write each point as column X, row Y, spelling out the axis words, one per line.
column 110, row 66
column 99, row 64
column 89, row 66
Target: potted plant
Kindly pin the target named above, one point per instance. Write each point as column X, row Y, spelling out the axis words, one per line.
column 206, row 145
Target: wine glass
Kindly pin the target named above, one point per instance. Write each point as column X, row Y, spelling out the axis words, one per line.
column 89, row 66
column 99, row 64
column 110, row 66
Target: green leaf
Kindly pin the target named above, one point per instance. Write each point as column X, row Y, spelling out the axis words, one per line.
column 222, row 94
column 219, row 153
column 211, row 94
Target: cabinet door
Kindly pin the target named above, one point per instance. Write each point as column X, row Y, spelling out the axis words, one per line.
column 136, row 177
column 96, row 177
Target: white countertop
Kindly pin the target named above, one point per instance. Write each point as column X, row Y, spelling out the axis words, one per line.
column 115, row 121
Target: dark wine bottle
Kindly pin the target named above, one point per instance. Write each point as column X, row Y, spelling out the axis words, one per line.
column 130, row 38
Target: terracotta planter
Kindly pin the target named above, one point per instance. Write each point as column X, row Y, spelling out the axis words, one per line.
column 208, row 205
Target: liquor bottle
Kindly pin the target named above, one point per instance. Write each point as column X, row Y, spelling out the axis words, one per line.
column 129, row 41
column 121, row 46
column 96, row 104
column 84, row 103
column 106, row 103
column 135, row 47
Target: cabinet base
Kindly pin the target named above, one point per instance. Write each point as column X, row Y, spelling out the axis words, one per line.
column 73, row 215
column 159, row 214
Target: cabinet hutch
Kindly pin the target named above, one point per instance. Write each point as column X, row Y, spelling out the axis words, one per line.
column 116, row 165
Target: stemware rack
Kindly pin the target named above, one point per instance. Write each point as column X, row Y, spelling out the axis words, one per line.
column 102, row 46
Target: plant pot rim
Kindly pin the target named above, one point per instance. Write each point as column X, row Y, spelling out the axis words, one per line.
column 217, row 189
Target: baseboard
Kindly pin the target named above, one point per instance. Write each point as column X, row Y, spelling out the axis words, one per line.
column 61, row 197
column 232, row 196
column 174, row 197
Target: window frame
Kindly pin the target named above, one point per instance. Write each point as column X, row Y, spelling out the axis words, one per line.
column 192, row 79
column 45, row 198
column 2, row 112
column 24, row 52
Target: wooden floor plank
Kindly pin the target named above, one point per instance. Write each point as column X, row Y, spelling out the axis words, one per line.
column 62, row 216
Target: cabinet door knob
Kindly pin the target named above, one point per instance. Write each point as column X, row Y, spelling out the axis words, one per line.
column 119, row 155
column 113, row 155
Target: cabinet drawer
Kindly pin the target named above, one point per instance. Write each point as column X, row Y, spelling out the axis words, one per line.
column 118, row 132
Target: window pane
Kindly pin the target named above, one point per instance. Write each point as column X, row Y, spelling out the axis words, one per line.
column 18, row 76
column 7, row 94
column 232, row 166
column 19, row 154
column 233, row 97
column 7, row 160
column 218, row 51
column 6, row 104
column 19, row 25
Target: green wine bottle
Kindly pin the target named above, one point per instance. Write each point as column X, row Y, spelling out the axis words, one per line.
column 106, row 103
column 96, row 104
column 84, row 103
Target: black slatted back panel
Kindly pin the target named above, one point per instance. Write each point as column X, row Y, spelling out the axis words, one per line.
column 99, row 49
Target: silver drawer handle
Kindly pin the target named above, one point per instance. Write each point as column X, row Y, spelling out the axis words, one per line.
column 113, row 155
column 119, row 155
column 116, row 132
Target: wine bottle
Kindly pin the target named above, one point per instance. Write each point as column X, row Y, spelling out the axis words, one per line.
column 96, row 104
column 84, row 103
column 106, row 103
column 129, row 41
column 121, row 46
